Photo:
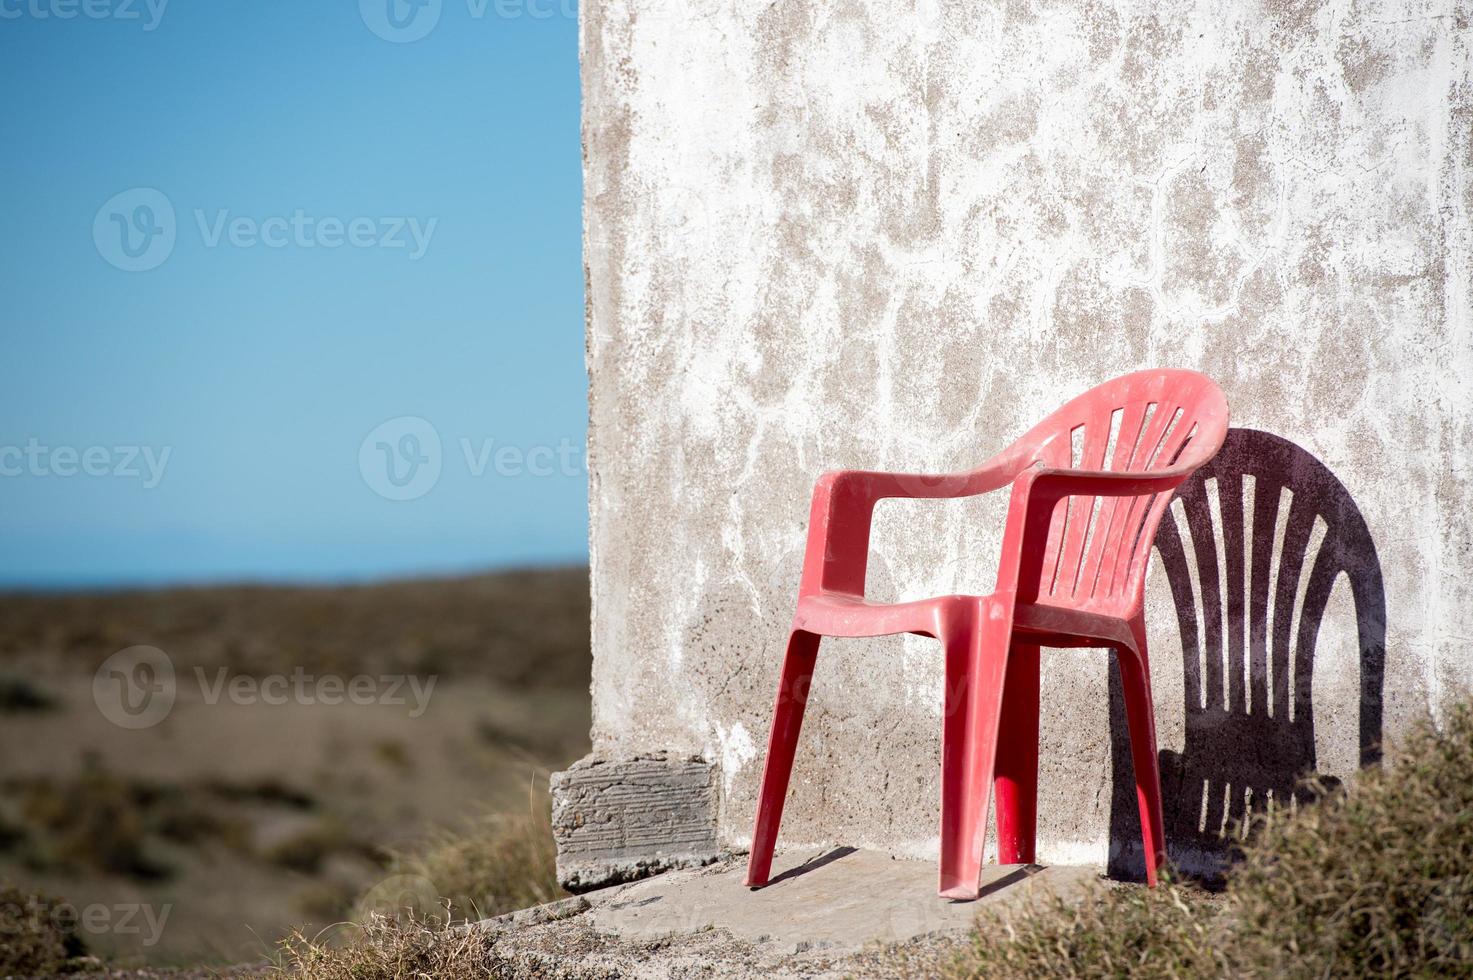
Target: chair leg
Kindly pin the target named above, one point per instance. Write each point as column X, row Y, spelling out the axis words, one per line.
column 782, row 745
column 1140, row 716
column 976, row 658
column 1015, row 786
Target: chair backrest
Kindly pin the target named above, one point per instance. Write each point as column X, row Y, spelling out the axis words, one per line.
column 1098, row 547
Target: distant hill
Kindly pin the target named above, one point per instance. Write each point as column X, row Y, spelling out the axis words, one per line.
column 527, row 628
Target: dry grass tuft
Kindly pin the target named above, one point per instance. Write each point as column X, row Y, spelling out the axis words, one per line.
column 37, row 935
column 409, row 923
column 504, row 862
column 408, row 946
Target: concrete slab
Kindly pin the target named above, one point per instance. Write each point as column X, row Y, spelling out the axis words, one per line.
column 838, row 901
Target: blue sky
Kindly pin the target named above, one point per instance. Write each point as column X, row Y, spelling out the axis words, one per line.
column 372, row 237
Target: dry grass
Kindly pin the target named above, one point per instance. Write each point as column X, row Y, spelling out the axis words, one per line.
column 35, row 938
column 409, row 946
column 505, row 862
column 1374, row 880
column 502, row 863
column 1169, row 932
column 1370, row 881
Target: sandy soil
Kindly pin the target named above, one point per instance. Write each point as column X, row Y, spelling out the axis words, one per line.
column 233, row 819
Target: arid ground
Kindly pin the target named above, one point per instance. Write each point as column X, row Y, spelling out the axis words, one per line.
column 238, row 816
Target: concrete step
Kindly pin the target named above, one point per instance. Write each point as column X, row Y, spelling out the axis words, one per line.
column 828, row 913
column 836, row 900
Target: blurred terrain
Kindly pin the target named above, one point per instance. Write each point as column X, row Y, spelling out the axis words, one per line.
column 245, row 818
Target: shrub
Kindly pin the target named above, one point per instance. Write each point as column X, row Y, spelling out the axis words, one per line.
column 37, row 938
column 1374, row 879
column 1167, row 932
column 306, row 850
column 19, row 695
column 95, row 821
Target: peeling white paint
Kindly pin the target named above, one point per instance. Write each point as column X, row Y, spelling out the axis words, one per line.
column 737, row 749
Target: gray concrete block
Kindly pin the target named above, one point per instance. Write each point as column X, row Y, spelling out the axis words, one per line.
column 618, row 820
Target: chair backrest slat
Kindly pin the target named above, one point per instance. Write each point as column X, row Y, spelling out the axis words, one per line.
column 1097, row 547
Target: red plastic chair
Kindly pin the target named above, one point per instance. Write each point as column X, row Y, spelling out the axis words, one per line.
column 1069, row 576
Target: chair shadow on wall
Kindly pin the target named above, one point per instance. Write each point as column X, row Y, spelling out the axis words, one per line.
column 1251, row 554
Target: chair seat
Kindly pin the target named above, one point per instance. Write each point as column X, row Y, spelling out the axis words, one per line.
column 1060, row 626
column 837, row 614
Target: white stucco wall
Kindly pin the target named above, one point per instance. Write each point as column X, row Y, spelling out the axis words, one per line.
column 894, row 234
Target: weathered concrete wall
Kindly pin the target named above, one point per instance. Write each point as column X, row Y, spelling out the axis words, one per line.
column 893, row 235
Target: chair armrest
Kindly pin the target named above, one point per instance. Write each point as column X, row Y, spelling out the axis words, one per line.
column 1055, row 484
column 1039, row 491
column 843, row 506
